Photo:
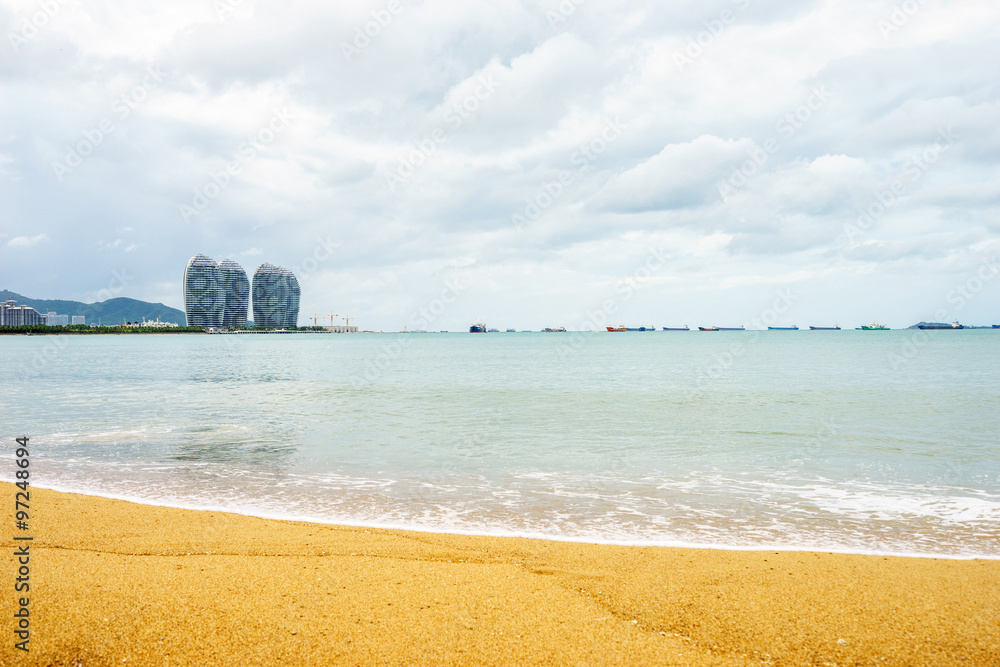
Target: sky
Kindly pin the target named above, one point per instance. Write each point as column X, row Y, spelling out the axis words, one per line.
column 524, row 164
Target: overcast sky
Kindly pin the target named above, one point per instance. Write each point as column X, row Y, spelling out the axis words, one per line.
column 526, row 164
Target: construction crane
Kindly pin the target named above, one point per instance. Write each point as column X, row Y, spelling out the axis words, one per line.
column 314, row 318
column 347, row 318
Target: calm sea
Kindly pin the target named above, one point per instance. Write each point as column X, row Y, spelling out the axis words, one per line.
column 871, row 442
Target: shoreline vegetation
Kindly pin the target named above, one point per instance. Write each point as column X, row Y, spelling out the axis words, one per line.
column 115, row 582
column 87, row 330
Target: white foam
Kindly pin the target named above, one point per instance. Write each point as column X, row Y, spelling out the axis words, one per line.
column 628, row 524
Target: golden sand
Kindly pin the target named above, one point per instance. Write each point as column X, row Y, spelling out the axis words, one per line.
column 116, row 583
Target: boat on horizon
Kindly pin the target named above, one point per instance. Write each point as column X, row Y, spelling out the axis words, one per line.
column 874, row 326
column 555, row 330
column 683, row 328
column 708, row 328
column 477, row 328
column 833, row 328
column 792, row 328
column 940, row 325
column 620, row 327
column 739, row 328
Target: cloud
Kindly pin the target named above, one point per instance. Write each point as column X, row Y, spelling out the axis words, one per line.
column 27, row 241
column 679, row 176
column 516, row 98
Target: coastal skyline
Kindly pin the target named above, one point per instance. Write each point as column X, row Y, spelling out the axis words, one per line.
column 531, row 162
column 674, row 332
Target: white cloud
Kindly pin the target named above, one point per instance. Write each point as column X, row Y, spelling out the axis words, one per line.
column 27, row 241
column 554, row 89
column 679, row 176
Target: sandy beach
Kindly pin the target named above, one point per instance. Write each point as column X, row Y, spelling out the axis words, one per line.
column 114, row 583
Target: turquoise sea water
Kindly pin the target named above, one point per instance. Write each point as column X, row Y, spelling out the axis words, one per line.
column 872, row 442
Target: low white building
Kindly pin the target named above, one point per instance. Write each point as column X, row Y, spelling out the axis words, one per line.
column 157, row 324
column 54, row 319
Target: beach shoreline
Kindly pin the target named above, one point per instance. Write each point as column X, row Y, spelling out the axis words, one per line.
column 117, row 582
column 262, row 513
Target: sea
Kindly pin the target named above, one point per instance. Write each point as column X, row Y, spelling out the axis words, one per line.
column 874, row 442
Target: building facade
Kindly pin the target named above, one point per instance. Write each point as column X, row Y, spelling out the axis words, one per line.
column 54, row 319
column 204, row 298
column 79, row 319
column 275, row 297
column 13, row 315
column 236, row 288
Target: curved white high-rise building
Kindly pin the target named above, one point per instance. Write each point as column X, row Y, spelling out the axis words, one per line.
column 275, row 297
column 204, row 297
column 236, row 290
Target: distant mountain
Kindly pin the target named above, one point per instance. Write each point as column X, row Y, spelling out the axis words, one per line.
column 113, row 311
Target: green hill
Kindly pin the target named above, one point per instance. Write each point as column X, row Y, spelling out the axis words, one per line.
column 113, row 311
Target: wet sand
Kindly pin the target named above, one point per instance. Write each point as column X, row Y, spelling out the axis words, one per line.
column 117, row 583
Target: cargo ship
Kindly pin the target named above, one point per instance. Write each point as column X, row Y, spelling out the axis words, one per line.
column 683, row 328
column 618, row 328
column 874, row 326
column 782, row 328
column 477, row 328
column 940, row 325
column 833, row 328
column 739, row 328
column 708, row 328
column 555, row 330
